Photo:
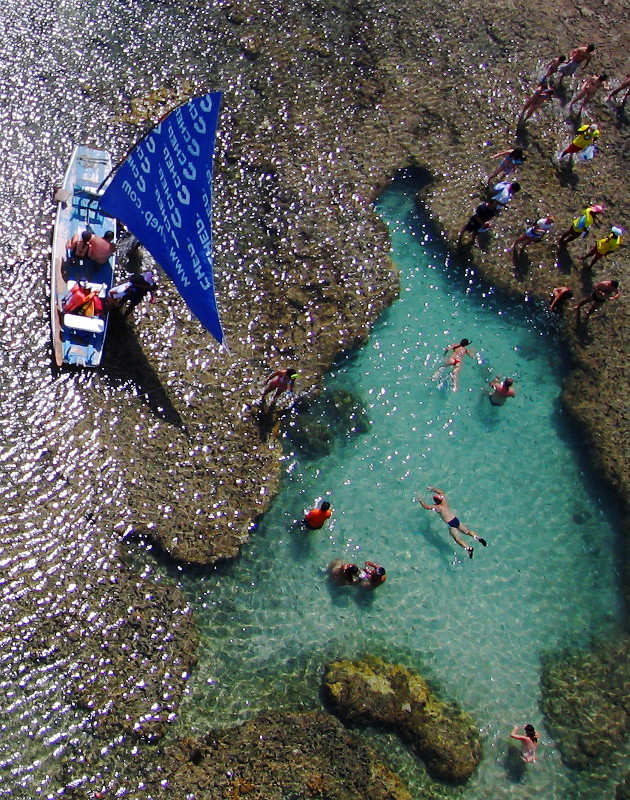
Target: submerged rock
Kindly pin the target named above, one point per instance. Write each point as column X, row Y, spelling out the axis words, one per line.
column 586, row 701
column 373, row 692
column 271, row 757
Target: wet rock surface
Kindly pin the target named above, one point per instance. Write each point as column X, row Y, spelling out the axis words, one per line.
column 323, row 104
column 271, row 757
column 373, row 692
column 586, row 701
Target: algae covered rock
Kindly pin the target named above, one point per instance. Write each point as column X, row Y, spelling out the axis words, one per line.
column 586, row 701
column 373, row 692
column 274, row 757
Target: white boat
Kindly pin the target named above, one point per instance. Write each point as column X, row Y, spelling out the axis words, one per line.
column 78, row 340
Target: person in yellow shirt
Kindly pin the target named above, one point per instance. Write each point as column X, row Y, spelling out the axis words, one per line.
column 586, row 136
column 605, row 246
column 581, row 224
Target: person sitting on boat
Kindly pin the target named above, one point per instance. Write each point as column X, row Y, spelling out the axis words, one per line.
column 81, row 300
column 79, row 245
column 133, row 291
column 101, row 248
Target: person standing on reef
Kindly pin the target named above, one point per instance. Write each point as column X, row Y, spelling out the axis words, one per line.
column 625, row 84
column 602, row 291
column 552, row 68
column 454, row 525
column 529, row 742
column 504, row 192
column 533, row 233
column 316, row 517
column 588, row 90
column 579, row 57
column 458, row 352
column 480, row 221
column 581, row 225
column 605, row 246
column 542, row 93
column 511, row 160
column 502, row 390
column 587, row 135
column 278, row 382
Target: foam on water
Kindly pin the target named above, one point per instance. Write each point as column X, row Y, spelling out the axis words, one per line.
column 550, row 573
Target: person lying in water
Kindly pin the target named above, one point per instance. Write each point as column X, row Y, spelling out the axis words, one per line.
column 455, row 354
column 454, row 525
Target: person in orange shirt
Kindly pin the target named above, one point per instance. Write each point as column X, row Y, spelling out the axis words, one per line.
column 316, row 517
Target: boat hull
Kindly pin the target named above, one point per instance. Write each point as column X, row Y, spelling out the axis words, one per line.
column 79, row 341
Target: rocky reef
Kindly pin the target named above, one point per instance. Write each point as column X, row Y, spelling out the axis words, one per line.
column 374, row 692
column 271, row 757
column 586, row 701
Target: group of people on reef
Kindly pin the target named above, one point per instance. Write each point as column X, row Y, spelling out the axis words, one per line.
column 91, row 299
column 583, row 145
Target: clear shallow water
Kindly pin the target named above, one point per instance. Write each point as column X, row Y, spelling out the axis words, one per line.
column 549, row 575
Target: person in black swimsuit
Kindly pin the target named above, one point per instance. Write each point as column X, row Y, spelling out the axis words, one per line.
column 454, row 525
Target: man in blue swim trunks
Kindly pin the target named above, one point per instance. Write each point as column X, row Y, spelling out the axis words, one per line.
column 454, row 525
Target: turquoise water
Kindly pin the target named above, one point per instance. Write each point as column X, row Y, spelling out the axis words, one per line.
column 549, row 576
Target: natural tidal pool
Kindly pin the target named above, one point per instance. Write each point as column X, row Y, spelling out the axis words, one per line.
column 476, row 628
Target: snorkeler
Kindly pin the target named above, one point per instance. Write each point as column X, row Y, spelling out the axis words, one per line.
column 454, row 525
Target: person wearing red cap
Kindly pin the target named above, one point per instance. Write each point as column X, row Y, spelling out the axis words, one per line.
column 581, row 224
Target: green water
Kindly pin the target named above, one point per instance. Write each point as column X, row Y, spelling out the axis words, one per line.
column 549, row 575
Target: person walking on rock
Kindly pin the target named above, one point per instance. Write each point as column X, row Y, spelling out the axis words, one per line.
column 625, row 84
column 587, row 135
column 602, row 291
column 511, row 160
column 588, row 90
column 479, row 222
column 504, row 192
column 579, row 58
column 604, row 246
column 542, row 93
column 534, row 233
column 581, row 224
column 455, row 527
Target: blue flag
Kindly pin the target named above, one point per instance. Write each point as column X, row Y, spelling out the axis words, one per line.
column 163, row 194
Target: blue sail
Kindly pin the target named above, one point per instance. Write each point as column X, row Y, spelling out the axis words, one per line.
column 163, row 194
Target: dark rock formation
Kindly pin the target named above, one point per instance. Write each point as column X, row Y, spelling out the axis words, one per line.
column 373, row 692
column 271, row 757
column 586, row 701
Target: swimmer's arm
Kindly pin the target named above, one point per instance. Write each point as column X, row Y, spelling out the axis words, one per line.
column 516, row 735
column 435, row 489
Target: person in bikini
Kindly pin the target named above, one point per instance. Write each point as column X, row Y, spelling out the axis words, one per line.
column 278, row 382
column 502, row 390
column 579, row 58
column 529, row 742
column 458, row 351
column 440, row 505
